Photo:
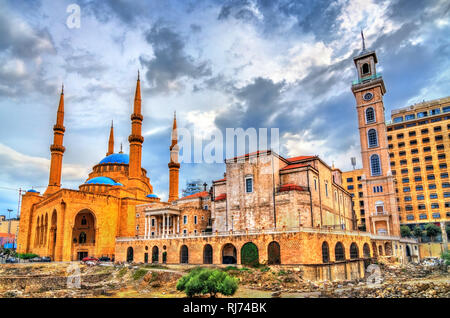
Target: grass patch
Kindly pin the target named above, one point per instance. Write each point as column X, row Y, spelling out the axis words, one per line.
column 139, row 273
column 156, row 266
column 264, row 269
column 122, row 272
column 230, row 268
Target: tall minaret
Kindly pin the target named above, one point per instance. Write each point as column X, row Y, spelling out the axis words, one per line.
column 57, row 149
column 111, row 140
column 174, row 165
column 377, row 180
column 136, row 139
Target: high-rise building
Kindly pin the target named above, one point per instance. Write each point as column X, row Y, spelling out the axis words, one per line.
column 419, row 150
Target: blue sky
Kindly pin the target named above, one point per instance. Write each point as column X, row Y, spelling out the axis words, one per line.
column 242, row 63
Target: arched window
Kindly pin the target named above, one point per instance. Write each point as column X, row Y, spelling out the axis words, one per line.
column 354, row 251
column 273, row 250
column 365, row 69
column 339, row 252
column 366, row 250
column 82, row 238
column 184, row 255
column 207, row 254
column 325, row 253
column 372, row 138
column 83, row 220
column 370, row 115
column 375, row 166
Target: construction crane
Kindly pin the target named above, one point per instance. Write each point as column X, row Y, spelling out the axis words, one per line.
column 20, row 191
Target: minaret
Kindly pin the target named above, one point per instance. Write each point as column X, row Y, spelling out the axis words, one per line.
column 174, row 165
column 57, row 149
column 378, row 183
column 111, row 140
column 136, row 139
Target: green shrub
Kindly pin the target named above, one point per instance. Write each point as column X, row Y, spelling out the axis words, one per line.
column 27, row 256
column 405, row 231
column 446, row 257
column 265, row 269
column 432, row 230
column 202, row 281
column 139, row 273
column 417, row 232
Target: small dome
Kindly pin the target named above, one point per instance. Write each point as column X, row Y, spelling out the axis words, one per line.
column 116, row 158
column 151, row 195
column 32, row 190
column 103, row 180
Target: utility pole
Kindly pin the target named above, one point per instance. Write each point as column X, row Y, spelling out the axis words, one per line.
column 9, row 220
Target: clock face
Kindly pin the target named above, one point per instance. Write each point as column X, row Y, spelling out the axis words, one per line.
column 368, row 96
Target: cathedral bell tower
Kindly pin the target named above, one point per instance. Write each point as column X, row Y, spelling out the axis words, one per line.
column 378, row 183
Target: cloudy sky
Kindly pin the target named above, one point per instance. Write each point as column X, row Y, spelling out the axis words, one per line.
column 220, row 64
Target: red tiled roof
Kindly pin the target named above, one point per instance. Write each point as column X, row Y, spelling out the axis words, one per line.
column 224, row 179
column 252, row 153
column 293, row 166
column 7, row 235
column 196, row 195
column 299, row 158
column 290, row 187
column 222, row 196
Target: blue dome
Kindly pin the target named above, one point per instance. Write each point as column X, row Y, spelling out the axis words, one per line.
column 116, row 158
column 32, row 190
column 103, row 180
column 151, row 195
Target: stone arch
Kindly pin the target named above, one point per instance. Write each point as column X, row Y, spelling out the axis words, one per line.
column 354, row 252
column 366, row 250
column 339, row 252
column 249, row 254
column 207, row 254
column 84, row 221
column 274, row 253
column 229, row 254
column 325, row 252
column 130, row 254
column 155, row 254
column 36, row 236
column 46, row 229
column 41, row 232
column 374, row 249
column 388, row 248
column 53, row 233
column 184, row 255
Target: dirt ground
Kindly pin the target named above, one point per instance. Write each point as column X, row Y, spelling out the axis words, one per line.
column 76, row 280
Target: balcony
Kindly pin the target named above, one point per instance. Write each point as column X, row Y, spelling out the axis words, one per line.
column 380, row 213
column 365, row 79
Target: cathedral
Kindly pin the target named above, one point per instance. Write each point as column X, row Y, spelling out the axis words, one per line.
column 70, row 224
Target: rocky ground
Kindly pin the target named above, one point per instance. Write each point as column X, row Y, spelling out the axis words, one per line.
column 51, row 280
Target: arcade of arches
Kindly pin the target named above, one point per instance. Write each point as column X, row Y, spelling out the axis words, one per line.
column 320, row 250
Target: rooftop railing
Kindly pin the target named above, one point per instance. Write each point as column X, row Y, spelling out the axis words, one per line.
column 330, row 229
column 367, row 78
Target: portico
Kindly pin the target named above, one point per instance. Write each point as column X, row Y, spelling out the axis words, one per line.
column 162, row 222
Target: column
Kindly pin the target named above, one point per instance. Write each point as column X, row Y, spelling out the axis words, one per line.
column 145, row 226
column 173, row 225
column 164, row 225
column 178, row 224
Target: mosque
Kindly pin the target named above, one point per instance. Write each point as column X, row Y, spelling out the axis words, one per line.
column 70, row 224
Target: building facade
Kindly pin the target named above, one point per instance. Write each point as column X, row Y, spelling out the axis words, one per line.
column 70, row 224
column 419, row 148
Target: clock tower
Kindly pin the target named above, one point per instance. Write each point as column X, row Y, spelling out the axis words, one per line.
column 379, row 196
